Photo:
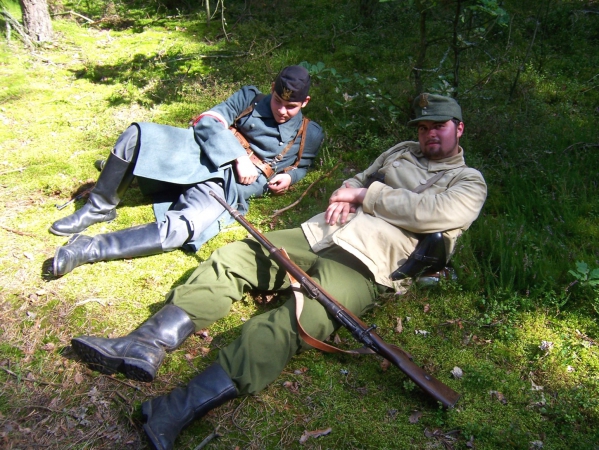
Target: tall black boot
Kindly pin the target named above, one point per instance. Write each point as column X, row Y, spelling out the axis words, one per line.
column 167, row 415
column 112, row 183
column 429, row 255
column 139, row 354
column 143, row 240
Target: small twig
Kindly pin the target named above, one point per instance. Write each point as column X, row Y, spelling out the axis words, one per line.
column 211, row 436
column 234, row 55
column 55, row 411
column 73, row 13
column 235, row 414
column 137, row 388
column 278, row 212
column 20, row 233
column 20, row 169
column 584, row 144
column 270, row 50
column 45, row 383
column 87, row 300
column 585, row 337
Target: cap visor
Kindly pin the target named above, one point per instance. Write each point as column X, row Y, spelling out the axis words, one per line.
column 429, row 119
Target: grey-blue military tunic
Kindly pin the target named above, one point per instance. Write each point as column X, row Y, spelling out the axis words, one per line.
column 178, row 164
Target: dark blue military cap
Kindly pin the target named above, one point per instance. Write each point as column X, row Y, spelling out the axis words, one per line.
column 293, row 83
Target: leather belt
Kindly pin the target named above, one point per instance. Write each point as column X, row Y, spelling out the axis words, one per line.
column 266, row 167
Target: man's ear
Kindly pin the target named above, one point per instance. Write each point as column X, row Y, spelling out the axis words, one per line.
column 272, row 88
column 306, row 101
column 460, row 129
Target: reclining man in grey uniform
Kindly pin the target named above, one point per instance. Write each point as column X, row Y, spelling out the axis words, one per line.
column 269, row 146
column 368, row 229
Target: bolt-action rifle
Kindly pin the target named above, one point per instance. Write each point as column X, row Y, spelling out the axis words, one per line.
column 359, row 330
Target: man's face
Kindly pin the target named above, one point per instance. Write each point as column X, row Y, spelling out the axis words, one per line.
column 439, row 140
column 283, row 110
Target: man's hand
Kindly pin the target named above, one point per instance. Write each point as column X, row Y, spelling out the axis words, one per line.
column 246, row 171
column 344, row 201
column 279, row 184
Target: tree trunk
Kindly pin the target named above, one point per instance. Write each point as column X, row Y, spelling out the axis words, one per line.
column 36, row 20
column 456, row 49
column 420, row 61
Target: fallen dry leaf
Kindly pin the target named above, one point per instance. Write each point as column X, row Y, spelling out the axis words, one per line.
column 399, row 327
column 293, row 386
column 385, row 364
column 427, row 308
column 470, row 443
column 49, row 346
column 457, row 372
column 314, row 434
column 203, row 333
column 480, row 341
column 415, row 417
column 499, row 396
column 78, row 378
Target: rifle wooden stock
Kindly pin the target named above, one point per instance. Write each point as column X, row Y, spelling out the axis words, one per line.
column 359, row 330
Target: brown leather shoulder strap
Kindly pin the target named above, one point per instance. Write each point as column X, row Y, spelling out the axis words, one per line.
column 250, row 108
column 303, row 133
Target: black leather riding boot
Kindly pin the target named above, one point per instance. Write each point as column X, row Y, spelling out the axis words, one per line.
column 112, row 183
column 429, row 255
column 139, row 354
column 143, row 240
column 167, row 415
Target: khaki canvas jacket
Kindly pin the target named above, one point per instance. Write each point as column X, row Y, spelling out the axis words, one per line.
column 384, row 231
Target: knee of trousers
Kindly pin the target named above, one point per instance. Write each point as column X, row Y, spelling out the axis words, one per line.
column 259, row 355
column 175, row 231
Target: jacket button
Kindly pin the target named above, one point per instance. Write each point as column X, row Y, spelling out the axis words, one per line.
column 252, row 126
column 422, row 181
column 395, row 163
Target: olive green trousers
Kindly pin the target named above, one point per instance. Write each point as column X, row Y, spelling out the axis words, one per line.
column 269, row 340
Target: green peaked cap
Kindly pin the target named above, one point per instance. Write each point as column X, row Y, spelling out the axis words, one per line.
column 436, row 108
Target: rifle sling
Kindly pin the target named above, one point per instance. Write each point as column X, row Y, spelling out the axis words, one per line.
column 299, row 306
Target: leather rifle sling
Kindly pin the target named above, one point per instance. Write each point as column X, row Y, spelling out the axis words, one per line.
column 299, row 306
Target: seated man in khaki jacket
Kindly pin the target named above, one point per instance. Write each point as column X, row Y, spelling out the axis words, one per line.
column 369, row 228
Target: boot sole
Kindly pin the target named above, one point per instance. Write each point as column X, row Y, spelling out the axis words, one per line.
column 103, row 363
column 62, row 233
